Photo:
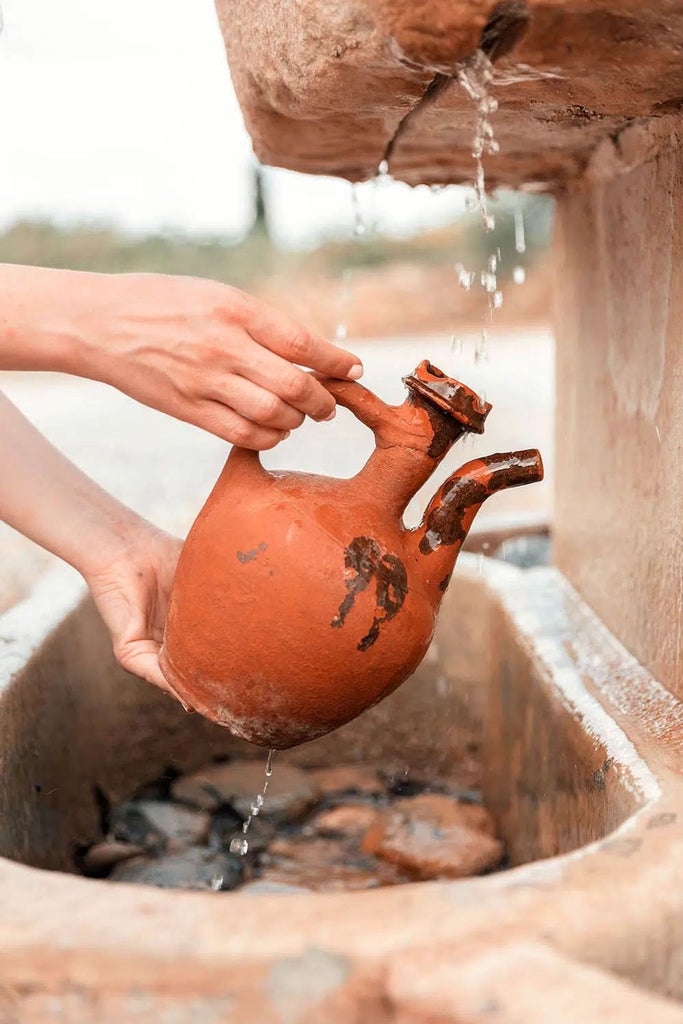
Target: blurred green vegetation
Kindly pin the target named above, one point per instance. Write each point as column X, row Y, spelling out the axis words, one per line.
column 243, row 262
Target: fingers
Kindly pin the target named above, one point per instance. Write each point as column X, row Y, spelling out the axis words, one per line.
column 291, row 341
column 290, row 383
column 257, row 404
column 218, row 419
column 141, row 658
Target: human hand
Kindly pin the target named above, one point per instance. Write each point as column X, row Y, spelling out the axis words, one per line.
column 198, row 350
column 131, row 593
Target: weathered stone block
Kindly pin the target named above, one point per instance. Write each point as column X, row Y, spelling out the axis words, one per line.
column 329, row 87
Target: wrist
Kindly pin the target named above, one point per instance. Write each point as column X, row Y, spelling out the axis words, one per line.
column 114, row 533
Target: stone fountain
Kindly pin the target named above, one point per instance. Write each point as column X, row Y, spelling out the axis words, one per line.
column 571, row 683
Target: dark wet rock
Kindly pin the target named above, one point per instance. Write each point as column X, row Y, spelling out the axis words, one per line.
column 102, row 857
column 406, row 786
column 159, row 789
column 226, row 824
column 194, row 868
column 181, row 826
column 291, row 791
column 157, row 825
column 434, row 836
column 128, row 824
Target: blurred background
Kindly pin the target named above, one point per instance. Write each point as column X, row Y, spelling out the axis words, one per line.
column 123, row 149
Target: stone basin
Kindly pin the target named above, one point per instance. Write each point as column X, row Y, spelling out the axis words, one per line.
column 581, row 753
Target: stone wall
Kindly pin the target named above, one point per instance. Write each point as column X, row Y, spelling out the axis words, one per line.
column 619, row 425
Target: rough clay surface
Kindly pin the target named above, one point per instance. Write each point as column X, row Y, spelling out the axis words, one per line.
column 324, row 86
column 520, row 983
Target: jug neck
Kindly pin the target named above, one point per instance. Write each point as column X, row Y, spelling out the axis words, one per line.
column 413, row 438
column 409, row 447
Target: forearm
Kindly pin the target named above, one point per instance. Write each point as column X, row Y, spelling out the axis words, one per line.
column 37, row 328
column 50, row 501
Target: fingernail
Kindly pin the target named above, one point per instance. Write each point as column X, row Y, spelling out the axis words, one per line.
column 331, row 416
column 286, row 434
column 356, row 372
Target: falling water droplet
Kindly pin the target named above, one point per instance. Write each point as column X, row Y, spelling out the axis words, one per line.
column 475, row 76
column 519, row 275
column 520, row 236
column 488, row 281
column 659, row 436
column 340, row 332
column 480, row 350
column 383, row 168
column 359, row 226
column 239, row 845
column 497, row 300
column 465, row 276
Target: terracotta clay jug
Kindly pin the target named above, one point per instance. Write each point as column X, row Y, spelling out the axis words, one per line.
column 300, row 600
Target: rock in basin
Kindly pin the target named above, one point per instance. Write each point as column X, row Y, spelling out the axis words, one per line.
column 433, row 836
column 290, row 791
column 348, row 778
column 194, row 868
column 159, row 824
column 326, row 865
column 351, row 820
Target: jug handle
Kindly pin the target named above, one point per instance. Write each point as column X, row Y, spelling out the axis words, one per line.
column 364, row 405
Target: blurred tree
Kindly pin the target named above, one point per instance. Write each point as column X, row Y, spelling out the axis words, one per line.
column 260, row 224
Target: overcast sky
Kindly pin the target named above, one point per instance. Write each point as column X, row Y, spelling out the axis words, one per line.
column 123, row 111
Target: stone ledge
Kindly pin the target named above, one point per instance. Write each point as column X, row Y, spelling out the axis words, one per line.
column 324, row 86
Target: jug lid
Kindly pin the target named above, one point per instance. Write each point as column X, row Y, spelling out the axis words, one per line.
column 449, row 395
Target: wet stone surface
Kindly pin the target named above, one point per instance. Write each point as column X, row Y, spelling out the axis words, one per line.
column 338, row 828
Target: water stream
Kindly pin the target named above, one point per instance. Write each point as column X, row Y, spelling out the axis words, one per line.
column 239, row 844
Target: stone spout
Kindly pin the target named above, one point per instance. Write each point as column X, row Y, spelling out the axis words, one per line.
column 451, row 512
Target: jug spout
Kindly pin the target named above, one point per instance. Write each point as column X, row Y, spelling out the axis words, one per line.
column 451, row 512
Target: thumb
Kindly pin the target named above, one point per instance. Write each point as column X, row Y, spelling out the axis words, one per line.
column 141, row 658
